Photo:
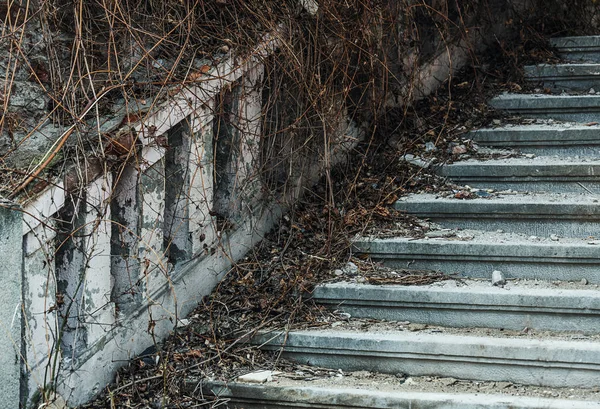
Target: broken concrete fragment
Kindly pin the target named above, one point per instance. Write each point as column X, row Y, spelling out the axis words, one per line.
column 257, row 377
column 498, row 278
column 415, row 160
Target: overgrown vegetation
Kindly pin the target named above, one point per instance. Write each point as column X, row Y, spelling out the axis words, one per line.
column 91, row 61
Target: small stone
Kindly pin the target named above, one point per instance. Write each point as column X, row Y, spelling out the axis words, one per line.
column 459, row 149
column 592, row 91
column 350, row 268
column 410, row 381
column 496, row 121
column 594, row 242
column 430, row 147
column 499, row 231
column 529, row 155
column 416, row 327
column 498, row 278
column 503, row 385
column 554, row 237
column 584, row 281
column 184, row 322
column 448, row 381
column 338, row 272
column 439, row 234
column 415, row 160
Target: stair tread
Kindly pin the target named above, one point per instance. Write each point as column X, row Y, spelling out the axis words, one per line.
column 467, row 303
column 364, row 389
column 533, row 357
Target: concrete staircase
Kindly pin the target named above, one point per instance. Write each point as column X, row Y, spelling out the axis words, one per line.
column 534, row 338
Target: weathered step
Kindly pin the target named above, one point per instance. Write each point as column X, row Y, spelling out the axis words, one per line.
column 559, row 77
column 548, row 362
column 236, row 395
column 473, row 304
column 578, row 108
column 543, row 139
column 478, row 254
column 571, row 215
column 541, row 174
column 586, row 48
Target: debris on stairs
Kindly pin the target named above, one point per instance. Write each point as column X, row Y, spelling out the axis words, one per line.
column 531, row 340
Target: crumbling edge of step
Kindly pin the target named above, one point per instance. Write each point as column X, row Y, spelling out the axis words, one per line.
column 251, row 396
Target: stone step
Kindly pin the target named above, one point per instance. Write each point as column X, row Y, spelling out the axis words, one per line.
column 477, row 254
column 586, row 48
column 578, row 108
column 540, row 174
column 518, row 305
column 554, row 362
column 570, row 215
column 559, row 77
column 543, row 139
column 356, row 395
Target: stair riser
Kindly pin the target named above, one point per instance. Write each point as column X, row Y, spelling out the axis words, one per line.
column 464, row 309
column 536, row 177
column 479, row 261
column 564, row 108
column 590, row 149
column 482, row 267
column 544, row 141
column 524, row 184
column 581, row 77
column 592, row 55
column 558, row 85
column 578, row 48
column 536, row 227
column 438, row 356
column 244, row 396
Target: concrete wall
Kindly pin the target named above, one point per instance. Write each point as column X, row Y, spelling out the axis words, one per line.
column 10, row 294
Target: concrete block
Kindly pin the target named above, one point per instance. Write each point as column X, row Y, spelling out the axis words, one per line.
column 11, row 248
column 486, row 252
column 583, row 48
column 550, row 362
column 472, row 305
column 202, row 223
column 558, row 139
column 273, row 396
column 532, row 214
column 578, row 108
column 153, row 262
column 41, row 324
column 98, row 307
column 125, row 209
column 537, row 175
